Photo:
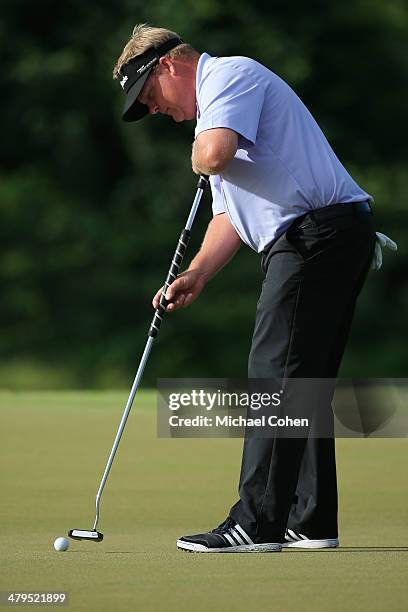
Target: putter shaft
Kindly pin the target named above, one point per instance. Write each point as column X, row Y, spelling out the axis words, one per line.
column 153, row 331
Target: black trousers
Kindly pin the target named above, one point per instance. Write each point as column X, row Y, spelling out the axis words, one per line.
column 313, row 275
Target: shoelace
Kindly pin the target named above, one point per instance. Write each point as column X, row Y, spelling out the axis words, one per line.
column 229, row 522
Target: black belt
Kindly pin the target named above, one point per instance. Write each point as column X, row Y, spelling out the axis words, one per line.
column 339, row 210
column 330, row 211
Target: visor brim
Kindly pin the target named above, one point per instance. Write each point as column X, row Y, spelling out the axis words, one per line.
column 134, row 110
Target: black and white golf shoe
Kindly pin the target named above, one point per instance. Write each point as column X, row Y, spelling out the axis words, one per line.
column 229, row 537
column 298, row 540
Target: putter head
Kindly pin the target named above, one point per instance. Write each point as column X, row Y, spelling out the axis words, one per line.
column 82, row 534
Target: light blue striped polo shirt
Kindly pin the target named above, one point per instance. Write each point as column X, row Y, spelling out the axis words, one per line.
column 284, row 165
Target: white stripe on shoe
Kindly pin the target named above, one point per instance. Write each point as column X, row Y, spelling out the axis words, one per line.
column 236, row 536
column 229, row 538
column 243, row 534
column 292, row 535
column 299, row 540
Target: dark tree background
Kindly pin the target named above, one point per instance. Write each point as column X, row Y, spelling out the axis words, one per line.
column 91, row 207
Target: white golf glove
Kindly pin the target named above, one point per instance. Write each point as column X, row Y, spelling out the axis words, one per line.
column 381, row 242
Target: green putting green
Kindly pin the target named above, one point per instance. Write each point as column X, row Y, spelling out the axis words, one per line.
column 54, row 447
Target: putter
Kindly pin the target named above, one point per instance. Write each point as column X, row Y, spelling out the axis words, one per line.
column 94, row 535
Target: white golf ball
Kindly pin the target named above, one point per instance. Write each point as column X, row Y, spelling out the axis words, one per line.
column 61, row 544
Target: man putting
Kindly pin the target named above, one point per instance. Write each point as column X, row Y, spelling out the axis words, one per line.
column 278, row 187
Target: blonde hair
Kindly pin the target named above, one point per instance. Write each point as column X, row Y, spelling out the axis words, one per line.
column 145, row 36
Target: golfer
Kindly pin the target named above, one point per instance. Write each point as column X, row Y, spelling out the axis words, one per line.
column 278, row 187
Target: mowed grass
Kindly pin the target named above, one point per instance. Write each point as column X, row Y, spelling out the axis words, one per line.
column 54, row 447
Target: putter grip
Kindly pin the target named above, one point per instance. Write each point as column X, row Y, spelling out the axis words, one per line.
column 171, row 276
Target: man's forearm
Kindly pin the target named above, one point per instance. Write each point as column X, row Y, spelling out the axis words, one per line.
column 220, row 243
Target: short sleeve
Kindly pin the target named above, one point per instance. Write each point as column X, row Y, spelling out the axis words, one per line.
column 230, row 98
column 217, row 197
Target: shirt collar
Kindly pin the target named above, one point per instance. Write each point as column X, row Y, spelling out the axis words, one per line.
column 203, row 59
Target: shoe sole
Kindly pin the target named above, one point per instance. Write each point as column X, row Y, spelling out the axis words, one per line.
column 247, row 548
column 312, row 544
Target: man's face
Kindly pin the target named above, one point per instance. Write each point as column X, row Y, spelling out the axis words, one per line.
column 170, row 90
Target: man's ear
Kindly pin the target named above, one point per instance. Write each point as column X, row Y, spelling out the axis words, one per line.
column 168, row 64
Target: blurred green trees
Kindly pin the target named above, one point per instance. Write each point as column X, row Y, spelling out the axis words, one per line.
column 91, row 208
